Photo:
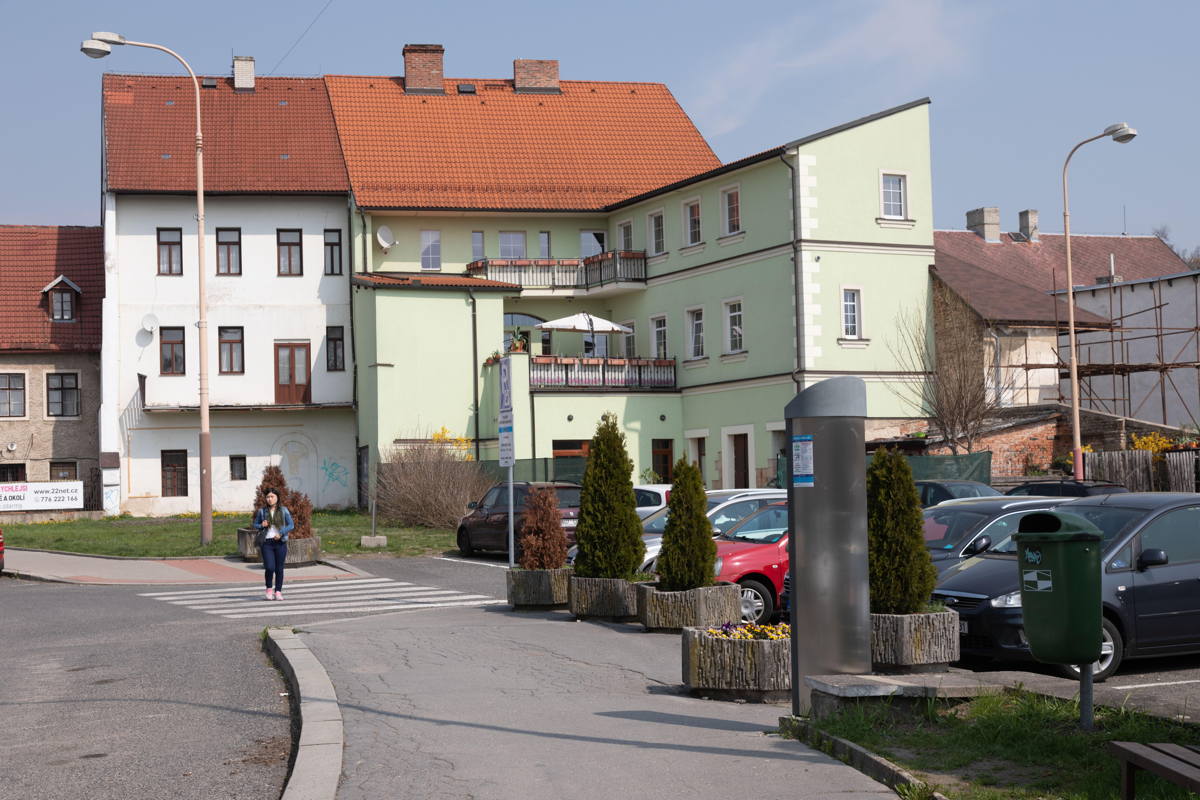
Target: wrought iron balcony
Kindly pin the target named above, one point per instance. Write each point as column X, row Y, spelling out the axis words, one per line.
column 603, row 269
column 584, row 373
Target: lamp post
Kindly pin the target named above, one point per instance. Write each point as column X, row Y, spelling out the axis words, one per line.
column 99, row 46
column 1120, row 132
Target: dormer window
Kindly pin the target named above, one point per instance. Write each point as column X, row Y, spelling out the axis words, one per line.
column 63, row 300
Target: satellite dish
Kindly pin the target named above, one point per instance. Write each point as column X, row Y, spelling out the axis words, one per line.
column 385, row 238
column 150, row 323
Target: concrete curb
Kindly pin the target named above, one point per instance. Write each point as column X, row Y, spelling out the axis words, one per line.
column 866, row 762
column 29, row 576
column 123, row 558
column 317, row 766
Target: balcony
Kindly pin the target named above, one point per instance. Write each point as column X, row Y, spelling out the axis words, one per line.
column 566, row 373
column 615, row 269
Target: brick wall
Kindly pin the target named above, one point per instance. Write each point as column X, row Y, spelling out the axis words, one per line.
column 423, row 68
column 535, row 75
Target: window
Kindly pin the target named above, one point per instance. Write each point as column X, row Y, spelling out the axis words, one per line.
column 731, row 211
column 12, row 473
column 170, row 251
column 291, row 373
column 544, row 244
column 477, row 253
column 230, row 344
column 662, row 458
column 62, row 394
column 894, row 203
column 431, row 250
column 63, row 471
column 512, row 244
column 170, row 351
column 291, row 259
column 591, row 243
column 547, row 343
column 237, row 468
column 229, row 251
column 12, row 395
column 691, row 222
column 62, row 305
column 173, row 464
column 851, row 313
column 1175, row 533
column 659, row 326
column 734, row 343
column 335, row 348
column 630, row 341
column 625, row 236
column 655, row 234
column 696, row 333
column 333, row 252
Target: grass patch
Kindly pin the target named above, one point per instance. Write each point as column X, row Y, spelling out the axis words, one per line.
column 1016, row 745
column 172, row 537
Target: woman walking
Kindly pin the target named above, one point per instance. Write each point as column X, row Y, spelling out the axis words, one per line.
column 276, row 521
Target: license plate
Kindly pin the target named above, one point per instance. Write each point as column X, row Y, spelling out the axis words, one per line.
column 568, row 523
column 962, row 627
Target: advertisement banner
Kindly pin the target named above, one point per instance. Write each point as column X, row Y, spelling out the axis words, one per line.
column 49, row 496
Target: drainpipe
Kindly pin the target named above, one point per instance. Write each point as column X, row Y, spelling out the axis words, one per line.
column 996, row 361
column 475, row 366
column 798, row 269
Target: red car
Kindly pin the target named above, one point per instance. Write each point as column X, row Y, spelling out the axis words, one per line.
column 754, row 554
column 485, row 527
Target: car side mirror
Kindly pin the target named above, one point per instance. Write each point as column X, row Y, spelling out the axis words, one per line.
column 980, row 545
column 472, row 504
column 1151, row 558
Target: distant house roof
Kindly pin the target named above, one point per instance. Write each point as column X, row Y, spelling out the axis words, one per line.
column 422, row 280
column 590, row 145
column 32, row 258
column 278, row 138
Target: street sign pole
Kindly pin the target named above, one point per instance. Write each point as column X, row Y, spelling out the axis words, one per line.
column 507, row 458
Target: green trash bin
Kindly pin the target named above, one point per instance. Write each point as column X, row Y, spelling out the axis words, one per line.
column 1058, row 561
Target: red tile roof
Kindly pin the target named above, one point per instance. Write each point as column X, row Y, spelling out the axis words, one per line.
column 592, row 145
column 31, row 256
column 422, row 280
column 278, row 138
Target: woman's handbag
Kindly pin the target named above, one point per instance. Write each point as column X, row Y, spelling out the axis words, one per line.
column 260, row 537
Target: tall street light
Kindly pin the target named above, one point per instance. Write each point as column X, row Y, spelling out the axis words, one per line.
column 1121, row 132
column 99, row 46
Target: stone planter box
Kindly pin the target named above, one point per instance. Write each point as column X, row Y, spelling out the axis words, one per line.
column 612, row 599
column 538, row 588
column 914, row 642
column 300, row 551
column 708, row 606
column 757, row 670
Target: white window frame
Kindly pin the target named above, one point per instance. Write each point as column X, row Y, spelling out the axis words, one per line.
column 629, row 340
column 695, row 345
column 655, row 352
column 728, row 325
column 903, row 175
column 622, row 226
column 858, row 310
column 652, row 248
column 726, row 229
column 431, row 251
column 691, row 437
column 524, row 244
column 26, row 416
column 686, row 221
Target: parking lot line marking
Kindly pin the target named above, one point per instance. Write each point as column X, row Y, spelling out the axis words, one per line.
column 1149, row 685
column 464, row 561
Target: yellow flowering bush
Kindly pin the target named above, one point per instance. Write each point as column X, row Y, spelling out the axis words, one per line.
column 1155, row 442
column 459, row 445
column 731, row 630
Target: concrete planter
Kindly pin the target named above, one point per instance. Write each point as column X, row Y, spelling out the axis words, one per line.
column 602, row 598
column 914, row 642
column 708, row 606
column 538, row 588
column 757, row 670
column 300, row 551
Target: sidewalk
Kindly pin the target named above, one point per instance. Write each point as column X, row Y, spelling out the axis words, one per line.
column 68, row 568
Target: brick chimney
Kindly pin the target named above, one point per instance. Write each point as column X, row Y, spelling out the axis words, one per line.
column 1028, row 222
column 985, row 222
column 423, row 69
column 534, row 76
column 243, row 73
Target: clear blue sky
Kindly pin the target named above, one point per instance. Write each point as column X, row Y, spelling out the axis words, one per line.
column 1015, row 84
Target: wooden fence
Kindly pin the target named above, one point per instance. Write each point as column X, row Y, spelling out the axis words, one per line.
column 1138, row 471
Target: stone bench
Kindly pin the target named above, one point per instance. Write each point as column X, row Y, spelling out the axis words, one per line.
column 833, row 693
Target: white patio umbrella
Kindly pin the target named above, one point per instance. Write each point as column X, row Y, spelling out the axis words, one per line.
column 583, row 322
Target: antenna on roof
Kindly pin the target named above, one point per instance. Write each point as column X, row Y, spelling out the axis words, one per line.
column 1124, row 222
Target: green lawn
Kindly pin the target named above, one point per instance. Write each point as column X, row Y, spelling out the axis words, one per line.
column 1016, row 745
column 168, row 537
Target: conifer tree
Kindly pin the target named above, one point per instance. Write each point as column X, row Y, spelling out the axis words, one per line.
column 543, row 543
column 609, row 533
column 688, row 550
column 901, row 574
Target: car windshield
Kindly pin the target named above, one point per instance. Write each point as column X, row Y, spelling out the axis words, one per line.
column 568, row 496
column 656, row 522
column 946, row 528
column 1111, row 521
column 767, row 525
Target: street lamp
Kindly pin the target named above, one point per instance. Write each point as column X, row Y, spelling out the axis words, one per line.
column 99, row 46
column 1121, row 132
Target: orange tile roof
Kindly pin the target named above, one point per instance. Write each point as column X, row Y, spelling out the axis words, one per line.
column 31, row 256
column 278, row 138
column 592, row 145
column 425, row 280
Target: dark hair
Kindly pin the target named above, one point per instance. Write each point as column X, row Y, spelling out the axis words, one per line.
column 273, row 491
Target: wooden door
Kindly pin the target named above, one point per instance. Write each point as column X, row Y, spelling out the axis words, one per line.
column 292, row 373
column 741, row 463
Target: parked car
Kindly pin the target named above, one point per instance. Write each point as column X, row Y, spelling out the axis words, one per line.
column 1150, row 556
column 485, row 527
column 934, row 492
column 968, row 527
column 651, row 497
column 753, row 554
column 1066, row 487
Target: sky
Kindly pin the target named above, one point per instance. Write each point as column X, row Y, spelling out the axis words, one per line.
column 1014, row 84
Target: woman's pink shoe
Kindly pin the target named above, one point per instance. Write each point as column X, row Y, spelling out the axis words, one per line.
column 270, row 594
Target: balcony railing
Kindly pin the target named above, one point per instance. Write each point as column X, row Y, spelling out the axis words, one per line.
column 614, row 266
column 559, row 372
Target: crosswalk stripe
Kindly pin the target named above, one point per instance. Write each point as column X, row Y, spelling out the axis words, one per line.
column 276, row 611
column 291, row 592
column 382, row 602
column 319, row 601
column 197, row 592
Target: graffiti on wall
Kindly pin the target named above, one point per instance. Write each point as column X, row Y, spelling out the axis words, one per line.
column 335, row 472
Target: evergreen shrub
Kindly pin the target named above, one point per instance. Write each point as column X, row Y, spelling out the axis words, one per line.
column 688, row 551
column 609, row 532
column 297, row 503
column 543, row 543
column 901, row 574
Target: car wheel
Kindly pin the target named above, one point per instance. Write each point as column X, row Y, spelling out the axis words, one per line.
column 758, row 604
column 1112, row 652
column 464, row 542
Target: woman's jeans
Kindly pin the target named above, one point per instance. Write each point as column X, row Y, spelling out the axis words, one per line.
column 274, row 553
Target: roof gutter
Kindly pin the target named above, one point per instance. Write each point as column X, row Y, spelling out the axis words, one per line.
column 798, row 270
